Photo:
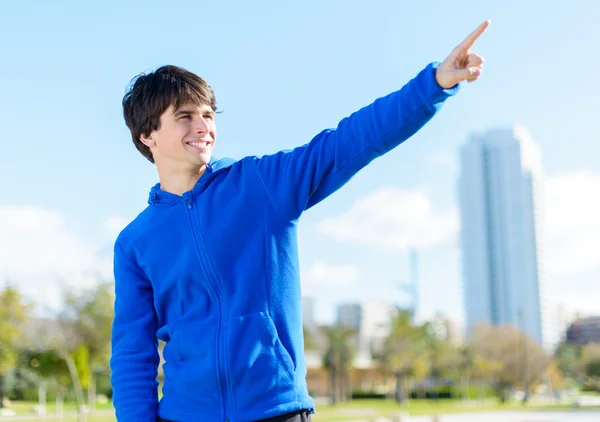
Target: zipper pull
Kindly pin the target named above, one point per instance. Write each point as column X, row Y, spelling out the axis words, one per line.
column 188, row 203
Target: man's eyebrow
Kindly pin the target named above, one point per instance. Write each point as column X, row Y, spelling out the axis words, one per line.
column 188, row 111
column 183, row 111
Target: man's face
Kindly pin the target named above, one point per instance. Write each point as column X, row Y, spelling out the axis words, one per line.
column 185, row 139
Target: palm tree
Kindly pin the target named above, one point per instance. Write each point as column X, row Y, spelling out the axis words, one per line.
column 401, row 349
column 337, row 360
column 310, row 340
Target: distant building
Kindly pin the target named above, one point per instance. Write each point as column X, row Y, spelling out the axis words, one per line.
column 350, row 315
column 499, row 206
column 308, row 312
column 371, row 322
column 584, row 331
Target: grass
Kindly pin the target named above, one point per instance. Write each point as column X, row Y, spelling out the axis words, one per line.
column 369, row 409
column 24, row 408
column 73, row 419
column 372, row 409
column 351, row 411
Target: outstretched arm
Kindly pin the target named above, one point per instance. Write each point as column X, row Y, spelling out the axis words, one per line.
column 298, row 179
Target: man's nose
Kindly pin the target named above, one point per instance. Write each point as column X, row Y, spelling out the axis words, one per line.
column 201, row 125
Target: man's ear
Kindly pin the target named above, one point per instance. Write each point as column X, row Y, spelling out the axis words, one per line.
column 148, row 140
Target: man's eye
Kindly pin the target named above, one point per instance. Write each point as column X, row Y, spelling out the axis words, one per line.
column 209, row 116
column 187, row 116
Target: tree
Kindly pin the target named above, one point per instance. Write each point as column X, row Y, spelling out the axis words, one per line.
column 443, row 358
column 338, row 360
column 401, row 349
column 91, row 316
column 568, row 357
column 590, row 365
column 465, row 367
column 79, row 338
column 555, row 376
column 88, row 316
column 13, row 313
column 47, row 364
column 310, row 341
column 508, row 358
column 57, row 338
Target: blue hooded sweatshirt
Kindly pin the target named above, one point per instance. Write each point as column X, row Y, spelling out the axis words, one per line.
column 214, row 272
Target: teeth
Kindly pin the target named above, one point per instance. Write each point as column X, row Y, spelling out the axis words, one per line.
column 197, row 144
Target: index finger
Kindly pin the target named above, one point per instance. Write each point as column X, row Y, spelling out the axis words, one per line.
column 470, row 40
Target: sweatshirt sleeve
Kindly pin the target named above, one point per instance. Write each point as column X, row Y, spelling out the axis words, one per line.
column 297, row 179
column 134, row 361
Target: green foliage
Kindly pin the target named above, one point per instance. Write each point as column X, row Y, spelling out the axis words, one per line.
column 357, row 394
column 47, row 364
column 81, row 357
column 91, row 315
column 405, row 343
column 20, row 381
column 338, row 360
column 568, row 357
column 13, row 313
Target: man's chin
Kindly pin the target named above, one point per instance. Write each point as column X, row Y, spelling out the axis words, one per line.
column 204, row 159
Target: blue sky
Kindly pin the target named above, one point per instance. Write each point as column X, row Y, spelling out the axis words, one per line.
column 282, row 72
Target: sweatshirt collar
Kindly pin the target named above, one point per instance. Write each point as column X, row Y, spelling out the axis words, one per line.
column 159, row 196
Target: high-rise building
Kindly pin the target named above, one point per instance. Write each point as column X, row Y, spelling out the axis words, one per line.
column 349, row 315
column 371, row 322
column 499, row 210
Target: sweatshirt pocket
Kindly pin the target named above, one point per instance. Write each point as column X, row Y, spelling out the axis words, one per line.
column 190, row 369
column 262, row 371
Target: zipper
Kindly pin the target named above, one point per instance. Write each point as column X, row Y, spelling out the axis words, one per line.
column 214, row 287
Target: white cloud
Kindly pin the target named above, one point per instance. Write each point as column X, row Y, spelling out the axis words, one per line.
column 323, row 274
column 114, row 225
column 444, row 159
column 38, row 252
column 572, row 223
column 393, row 219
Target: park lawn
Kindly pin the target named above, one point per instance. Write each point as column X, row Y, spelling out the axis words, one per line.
column 371, row 409
column 356, row 409
column 50, row 418
column 368, row 409
column 24, row 408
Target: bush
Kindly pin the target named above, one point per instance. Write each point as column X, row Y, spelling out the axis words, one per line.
column 450, row 392
column 435, row 393
column 367, row 395
column 589, row 388
column 103, row 385
column 19, row 381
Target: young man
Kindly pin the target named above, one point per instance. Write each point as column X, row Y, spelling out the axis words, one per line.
column 211, row 265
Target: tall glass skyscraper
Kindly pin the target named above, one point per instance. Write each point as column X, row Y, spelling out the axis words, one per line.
column 499, row 206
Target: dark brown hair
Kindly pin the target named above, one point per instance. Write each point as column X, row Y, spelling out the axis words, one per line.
column 150, row 95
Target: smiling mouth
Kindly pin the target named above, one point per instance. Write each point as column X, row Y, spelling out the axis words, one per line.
column 200, row 144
